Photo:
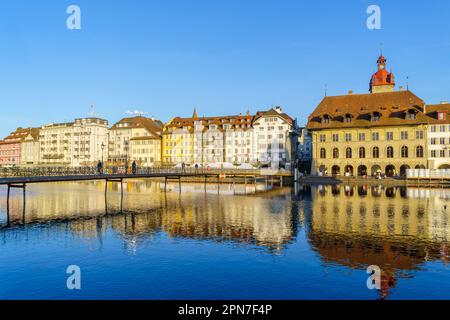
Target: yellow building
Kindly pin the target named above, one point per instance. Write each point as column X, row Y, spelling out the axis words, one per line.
column 178, row 141
column 383, row 132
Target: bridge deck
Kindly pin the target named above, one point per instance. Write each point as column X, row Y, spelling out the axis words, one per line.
column 73, row 178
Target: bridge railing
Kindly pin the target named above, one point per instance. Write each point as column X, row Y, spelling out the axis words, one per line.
column 11, row 172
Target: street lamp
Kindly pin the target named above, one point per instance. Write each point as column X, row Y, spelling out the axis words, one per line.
column 103, row 147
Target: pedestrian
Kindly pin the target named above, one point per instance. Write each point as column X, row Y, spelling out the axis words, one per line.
column 196, row 168
column 183, row 167
column 100, row 167
column 134, row 167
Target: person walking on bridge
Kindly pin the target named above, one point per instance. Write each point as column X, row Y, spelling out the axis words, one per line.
column 134, row 167
column 100, row 167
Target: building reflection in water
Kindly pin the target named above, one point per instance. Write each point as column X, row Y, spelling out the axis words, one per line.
column 397, row 229
column 264, row 220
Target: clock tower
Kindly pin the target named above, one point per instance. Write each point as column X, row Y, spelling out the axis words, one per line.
column 382, row 80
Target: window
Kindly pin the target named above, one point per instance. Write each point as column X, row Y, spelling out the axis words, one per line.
column 389, row 136
column 419, row 152
column 404, row 135
column 433, row 141
column 323, row 153
column 335, row 153
column 390, row 152
column 442, row 153
column 322, row 138
column 443, row 128
column 335, row 137
column 376, row 116
column 362, row 153
column 441, row 115
column 362, row 137
column 404, row 152
column 442, row 140
column 433, row 128
column 348, row 137
column 433, row 153
column 376, row 152
column 375, row 136
column 348, row 153
column 419, row 134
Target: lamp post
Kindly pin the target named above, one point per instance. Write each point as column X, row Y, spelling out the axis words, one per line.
column 103, row 147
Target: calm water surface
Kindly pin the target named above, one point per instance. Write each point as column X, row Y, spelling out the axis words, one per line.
column 307, row 243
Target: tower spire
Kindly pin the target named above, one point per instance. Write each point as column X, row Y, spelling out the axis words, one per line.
column 195, row 116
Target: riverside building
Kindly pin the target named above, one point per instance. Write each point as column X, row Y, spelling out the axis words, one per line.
column 382, row 132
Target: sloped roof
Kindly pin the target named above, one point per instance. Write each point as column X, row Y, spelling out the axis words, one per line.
column 20, row 134
column 391, row 106
column 153, row 126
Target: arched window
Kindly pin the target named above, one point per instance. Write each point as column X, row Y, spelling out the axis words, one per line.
column 390, row 152
column 348, row 153
column 323, row 153
column 376, row 152
column 404, row 152
column 362, row 153
column 419, row 152
column 336, row 153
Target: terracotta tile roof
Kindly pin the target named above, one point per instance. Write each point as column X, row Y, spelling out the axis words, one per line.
column 390, row 107
column 273, row 112
column 20, row 135
column 432, row 111
column 153, row 126
column 243, row 121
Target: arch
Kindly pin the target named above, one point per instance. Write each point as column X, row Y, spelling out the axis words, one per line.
column 376, row 170
column 390, row 171
column 445, row 166
column 322, row 169
column 349, row 170
column 403, row 169
column 362, row 171
column 335, row 170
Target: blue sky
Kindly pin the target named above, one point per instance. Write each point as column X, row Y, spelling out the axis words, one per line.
column 223, row 57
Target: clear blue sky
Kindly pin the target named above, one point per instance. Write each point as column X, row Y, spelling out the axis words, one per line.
column 223, row 57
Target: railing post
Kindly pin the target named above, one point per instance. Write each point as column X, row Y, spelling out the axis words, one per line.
column 7, row 204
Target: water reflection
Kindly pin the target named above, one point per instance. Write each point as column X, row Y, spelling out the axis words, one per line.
column 397, row 229
column 400, row 230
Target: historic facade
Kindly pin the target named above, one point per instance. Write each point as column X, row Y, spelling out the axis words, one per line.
column 11, row 148
column 439, row 136
column 383, row 132
column 79, row 143
column 267, row 138
column 136, row 139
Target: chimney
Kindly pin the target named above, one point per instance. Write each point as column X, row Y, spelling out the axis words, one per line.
column 350, row 92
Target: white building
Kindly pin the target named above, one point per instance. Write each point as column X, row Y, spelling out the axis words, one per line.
column 439, row 136
column 275, row 138
column 30, row 148
column 78, row 143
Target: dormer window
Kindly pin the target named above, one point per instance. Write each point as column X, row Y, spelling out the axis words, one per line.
column 411, row 115
column 348, row 118
column 376, row 116
column 441, row 115
column 326, row 119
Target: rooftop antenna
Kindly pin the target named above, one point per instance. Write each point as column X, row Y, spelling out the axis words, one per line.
column 326, row 89
column 381, row 48
column 407, row 83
